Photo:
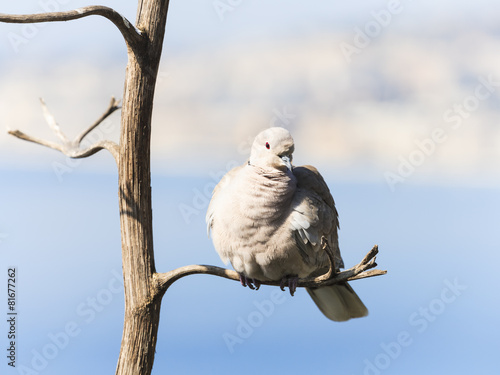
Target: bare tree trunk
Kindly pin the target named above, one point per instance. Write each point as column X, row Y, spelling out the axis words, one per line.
column 142, row 303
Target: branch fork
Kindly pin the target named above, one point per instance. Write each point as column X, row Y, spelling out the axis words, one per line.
column 69, row 147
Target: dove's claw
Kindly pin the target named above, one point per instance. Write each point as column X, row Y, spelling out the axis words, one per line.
column 251, row 283
column 292, row 284
column 243, row 280
column 282, row 284
column 291, row 281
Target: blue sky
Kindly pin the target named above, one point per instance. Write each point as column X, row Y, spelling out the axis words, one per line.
column 64, row 239
column 221, row 81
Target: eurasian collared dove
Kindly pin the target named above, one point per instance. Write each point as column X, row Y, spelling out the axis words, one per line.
column 267, row 218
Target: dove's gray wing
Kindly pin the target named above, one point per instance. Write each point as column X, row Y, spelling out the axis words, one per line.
column 314, row 215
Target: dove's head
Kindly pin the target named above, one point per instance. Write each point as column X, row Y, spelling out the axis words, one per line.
column 272, row 148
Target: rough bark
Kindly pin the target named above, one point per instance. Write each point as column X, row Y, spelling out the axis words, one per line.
column 142, row 305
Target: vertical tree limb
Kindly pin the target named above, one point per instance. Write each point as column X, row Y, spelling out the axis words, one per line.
column 142, row 304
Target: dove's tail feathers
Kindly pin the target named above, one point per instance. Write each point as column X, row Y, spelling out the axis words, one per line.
column 338, row 302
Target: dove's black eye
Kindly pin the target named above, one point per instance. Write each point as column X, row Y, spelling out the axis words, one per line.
column 267, row 145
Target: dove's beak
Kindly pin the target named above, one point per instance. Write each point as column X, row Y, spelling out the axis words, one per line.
column 287, row 161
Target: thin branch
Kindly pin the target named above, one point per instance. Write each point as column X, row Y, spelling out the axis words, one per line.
column 132, row 35
column 113, row 106
column 360, row 271
column 370, row 257
column 19, row 134
column 53, row 123
column 72, row 148
column 110, row 146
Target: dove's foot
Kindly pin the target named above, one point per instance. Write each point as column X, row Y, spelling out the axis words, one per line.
column 292, row 283
column 251, row 283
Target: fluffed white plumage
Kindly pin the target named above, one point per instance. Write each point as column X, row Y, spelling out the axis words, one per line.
column 267, row 219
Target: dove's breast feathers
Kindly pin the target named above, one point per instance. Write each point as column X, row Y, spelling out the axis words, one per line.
column 257, row 219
